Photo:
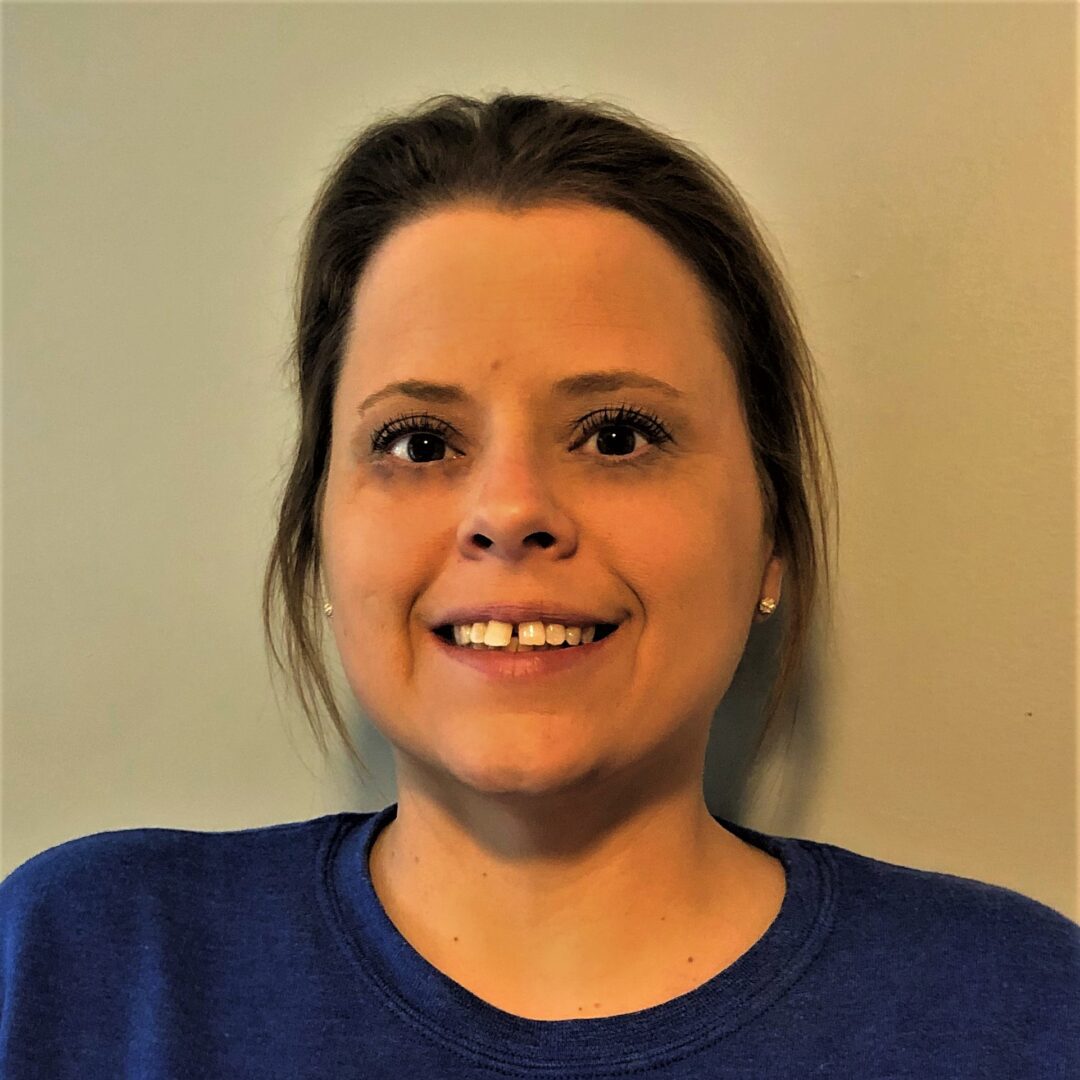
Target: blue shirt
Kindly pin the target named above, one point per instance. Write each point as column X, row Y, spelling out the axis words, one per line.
column 266, row 953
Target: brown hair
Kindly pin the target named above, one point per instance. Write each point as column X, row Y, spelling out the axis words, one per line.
column 513, row 153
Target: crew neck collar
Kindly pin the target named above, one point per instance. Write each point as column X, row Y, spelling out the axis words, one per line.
column 448, row 1012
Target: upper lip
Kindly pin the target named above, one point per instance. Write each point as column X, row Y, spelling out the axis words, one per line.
column 539, row 611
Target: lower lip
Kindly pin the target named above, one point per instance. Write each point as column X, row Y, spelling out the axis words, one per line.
column 500, row 664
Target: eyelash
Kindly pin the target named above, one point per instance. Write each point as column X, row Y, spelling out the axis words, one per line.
column 625, row 415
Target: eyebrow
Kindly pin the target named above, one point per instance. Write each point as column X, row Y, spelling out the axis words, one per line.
column 587, row 382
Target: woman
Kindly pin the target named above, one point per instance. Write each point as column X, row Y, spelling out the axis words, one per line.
column 559, row 450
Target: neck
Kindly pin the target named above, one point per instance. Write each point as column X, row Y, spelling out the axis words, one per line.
column 574, row 914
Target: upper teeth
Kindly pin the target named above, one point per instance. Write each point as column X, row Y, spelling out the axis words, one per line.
column 529, row 634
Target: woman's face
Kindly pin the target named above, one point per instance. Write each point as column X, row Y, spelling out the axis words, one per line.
column 509, row 500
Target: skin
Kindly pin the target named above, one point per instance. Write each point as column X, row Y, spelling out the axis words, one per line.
column 552, row 850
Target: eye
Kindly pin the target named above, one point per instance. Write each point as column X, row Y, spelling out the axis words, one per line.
column 396, row 430
column 605, row 424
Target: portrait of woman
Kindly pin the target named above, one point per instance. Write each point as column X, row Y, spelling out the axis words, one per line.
column 561, row 456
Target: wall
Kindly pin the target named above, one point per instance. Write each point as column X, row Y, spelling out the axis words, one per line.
column 914, row 169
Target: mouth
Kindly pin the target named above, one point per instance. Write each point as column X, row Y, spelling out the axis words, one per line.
column 603, row 630
column 512, row 667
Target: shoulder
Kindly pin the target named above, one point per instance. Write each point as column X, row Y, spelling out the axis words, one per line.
column 85, row 870
column 968, row 935
column 928, row 898
column 119, row 873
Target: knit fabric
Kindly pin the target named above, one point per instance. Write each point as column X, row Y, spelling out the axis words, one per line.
column 161, row 954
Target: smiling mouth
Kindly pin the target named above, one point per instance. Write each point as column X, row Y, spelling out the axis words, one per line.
column 603, row 630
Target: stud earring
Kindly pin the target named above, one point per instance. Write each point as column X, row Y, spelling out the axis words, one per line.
column 329, row 609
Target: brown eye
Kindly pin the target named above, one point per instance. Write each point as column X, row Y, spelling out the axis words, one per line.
column 425, row 436
column 430, row 431
column 612, row 427
column 423, row 449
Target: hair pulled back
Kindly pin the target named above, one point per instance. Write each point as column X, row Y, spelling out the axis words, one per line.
column 513, row 153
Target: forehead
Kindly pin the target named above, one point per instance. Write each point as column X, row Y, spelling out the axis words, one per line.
column 477, row 283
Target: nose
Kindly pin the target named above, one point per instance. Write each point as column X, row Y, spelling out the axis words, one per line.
column 512, row 507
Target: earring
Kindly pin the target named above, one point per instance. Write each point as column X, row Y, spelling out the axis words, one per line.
column 329, row 609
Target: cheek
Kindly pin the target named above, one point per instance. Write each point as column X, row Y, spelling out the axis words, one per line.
column 373, row 558
column 693, row 562
column 695, row 549
column 367, row 565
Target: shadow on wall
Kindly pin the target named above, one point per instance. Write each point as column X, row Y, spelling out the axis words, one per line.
column 734, row 788
column 378, row 755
